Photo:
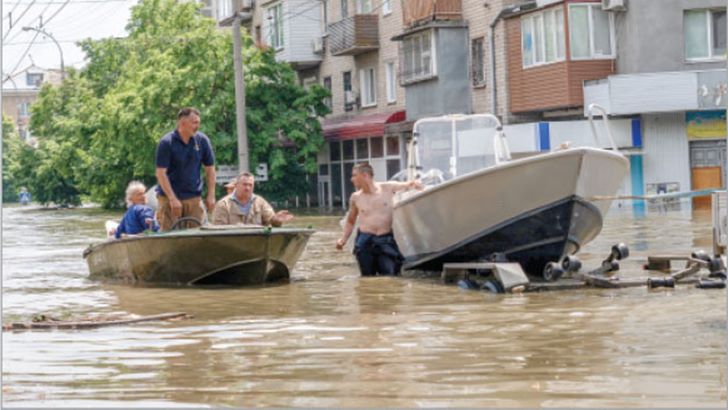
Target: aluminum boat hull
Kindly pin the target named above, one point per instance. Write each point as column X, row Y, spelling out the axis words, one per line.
column 233, row 256
column 534, row 210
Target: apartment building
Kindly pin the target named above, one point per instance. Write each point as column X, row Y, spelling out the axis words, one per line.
column 344, row 46
column 20, row 90
column 670, row 78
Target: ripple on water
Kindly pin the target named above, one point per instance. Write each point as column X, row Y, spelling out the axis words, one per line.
column 333, row 339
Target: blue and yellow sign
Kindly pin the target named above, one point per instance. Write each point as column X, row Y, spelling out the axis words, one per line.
column 705, row 124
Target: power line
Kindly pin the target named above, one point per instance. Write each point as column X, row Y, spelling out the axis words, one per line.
column 21, row 16
column 25, row 53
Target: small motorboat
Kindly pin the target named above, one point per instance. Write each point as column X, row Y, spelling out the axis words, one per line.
column 233, row 255
column 478, row 203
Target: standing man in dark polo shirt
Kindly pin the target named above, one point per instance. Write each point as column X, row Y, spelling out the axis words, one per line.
column 180, row 155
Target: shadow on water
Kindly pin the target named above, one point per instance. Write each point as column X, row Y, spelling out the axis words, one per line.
column 330, row 338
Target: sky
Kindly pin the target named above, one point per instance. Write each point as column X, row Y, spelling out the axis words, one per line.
column 68, row 21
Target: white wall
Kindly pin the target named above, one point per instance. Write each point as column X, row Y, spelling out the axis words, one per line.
column 666, row 149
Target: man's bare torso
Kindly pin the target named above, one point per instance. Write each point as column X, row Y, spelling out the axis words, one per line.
column 375, row 209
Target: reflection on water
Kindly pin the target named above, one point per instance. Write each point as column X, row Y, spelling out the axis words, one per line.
column 333, row 339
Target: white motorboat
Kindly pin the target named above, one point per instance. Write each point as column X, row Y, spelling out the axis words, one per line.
column 478, row 201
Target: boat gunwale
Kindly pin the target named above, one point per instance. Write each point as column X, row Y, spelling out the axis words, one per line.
column 514, row 163
column 201, row 233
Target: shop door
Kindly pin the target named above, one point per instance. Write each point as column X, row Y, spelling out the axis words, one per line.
column 707, row 159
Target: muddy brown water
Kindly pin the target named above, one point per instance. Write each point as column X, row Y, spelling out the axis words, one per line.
column 330, row 338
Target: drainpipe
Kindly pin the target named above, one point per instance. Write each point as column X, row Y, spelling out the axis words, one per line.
column 491, row 33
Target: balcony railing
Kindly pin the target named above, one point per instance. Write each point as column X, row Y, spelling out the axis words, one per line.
column 354, row 35
column 419, row 11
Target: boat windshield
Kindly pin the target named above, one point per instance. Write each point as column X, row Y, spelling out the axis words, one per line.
column 455, row 145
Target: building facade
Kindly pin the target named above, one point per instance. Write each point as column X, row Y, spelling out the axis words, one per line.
column 20, row 91
column 671, row 77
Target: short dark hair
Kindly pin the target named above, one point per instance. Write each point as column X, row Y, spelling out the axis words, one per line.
column 187, row 111
column 365, row 168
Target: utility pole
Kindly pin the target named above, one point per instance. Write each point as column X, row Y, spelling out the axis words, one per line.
column 243, row 165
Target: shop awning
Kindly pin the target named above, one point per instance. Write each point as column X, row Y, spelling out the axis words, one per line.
column 361, row 126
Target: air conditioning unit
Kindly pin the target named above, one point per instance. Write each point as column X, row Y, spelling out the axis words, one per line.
column 318, row 45
column 614, row 5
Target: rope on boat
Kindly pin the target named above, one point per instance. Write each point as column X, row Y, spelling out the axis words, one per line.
column 46, row 322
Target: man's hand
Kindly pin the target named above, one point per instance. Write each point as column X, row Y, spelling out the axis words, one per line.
column 416, row 184
column 283, row 216
column 340, row 243
column 210, row 203
column 176, row 206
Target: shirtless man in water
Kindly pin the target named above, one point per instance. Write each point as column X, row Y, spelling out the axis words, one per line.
column 375, row 248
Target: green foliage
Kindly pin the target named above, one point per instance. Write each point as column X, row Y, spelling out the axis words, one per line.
column 100, row 128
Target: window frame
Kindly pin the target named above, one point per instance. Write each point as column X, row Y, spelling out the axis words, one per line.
column 480, row 60
column 709, row 34
column 327, row 83
column 360, row 6
column 369, row 73
column 386, row 7
column 408, row 78
column 391, row 81
column 590, row 22
column 541, row 37
column 275, row 26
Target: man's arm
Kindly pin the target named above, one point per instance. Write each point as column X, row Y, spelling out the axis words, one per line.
column 349, row 224
column 210, row 176
column 163, row 182
column 220, row 215
column 401, row 186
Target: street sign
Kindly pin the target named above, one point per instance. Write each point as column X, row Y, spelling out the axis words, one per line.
column 261, row 172
column 224, row 173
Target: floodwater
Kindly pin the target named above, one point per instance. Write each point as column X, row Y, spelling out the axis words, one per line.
column 333, row 339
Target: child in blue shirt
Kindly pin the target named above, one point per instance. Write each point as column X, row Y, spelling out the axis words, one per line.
column 139, row 217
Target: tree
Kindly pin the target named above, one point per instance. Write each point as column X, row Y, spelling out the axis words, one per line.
column 101, row 127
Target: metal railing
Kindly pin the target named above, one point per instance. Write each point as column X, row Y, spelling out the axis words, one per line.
column 720, row 222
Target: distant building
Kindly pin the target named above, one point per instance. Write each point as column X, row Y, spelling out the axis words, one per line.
column 21, row 90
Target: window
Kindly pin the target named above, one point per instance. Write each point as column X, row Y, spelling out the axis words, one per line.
column 347, row 147
column 386, row 7
column 705, row 34
column 476, row 62
column 417, row 58
column 335, row 151
column 363, row 6
column 344, row 9
column 542, row 38
column 34, row 79
column 391, row 83
column 362, row 149
column 591, row 32
column 368, row 82
column 24, row 109
column 327, row 86
column 349, row 99
column 275, row 26
column 377, row 147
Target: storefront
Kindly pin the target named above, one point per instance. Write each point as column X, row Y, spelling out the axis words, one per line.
column 369, row 138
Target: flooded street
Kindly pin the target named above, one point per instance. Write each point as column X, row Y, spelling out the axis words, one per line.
column 333, row 339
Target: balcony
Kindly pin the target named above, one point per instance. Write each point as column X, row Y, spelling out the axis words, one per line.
column 354, row 35
column 227, row 9
column 415, row 12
